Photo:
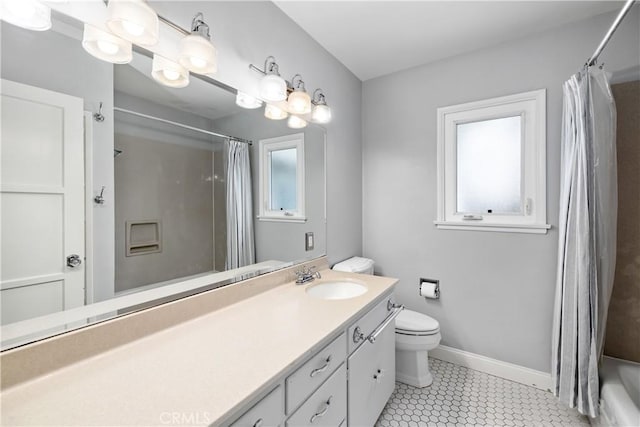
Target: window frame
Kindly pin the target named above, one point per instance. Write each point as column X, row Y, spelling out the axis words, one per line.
column 531, row 107
column 266, row 146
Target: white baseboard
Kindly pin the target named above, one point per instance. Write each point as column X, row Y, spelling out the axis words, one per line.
column 509, row 371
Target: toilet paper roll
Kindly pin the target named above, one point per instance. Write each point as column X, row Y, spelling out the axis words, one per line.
column 429, row 290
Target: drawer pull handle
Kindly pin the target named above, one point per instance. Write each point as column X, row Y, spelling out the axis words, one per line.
column 323, row 412
column 389, row 319
column 258, row 423
column 357, row 335
column 322, row 368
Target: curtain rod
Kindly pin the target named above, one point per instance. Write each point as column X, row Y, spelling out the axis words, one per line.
column 208, row 132
column 623, row 12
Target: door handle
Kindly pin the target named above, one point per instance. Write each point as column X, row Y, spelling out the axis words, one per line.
column 73, row 260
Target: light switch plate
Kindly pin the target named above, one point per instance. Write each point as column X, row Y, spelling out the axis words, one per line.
column 308, row 241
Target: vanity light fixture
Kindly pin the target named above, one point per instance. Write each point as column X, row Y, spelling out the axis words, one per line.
column 169, row 73
column 274, row 113
column 245, row 100
column 106, row 46
column 296, row 122
column 273, row 88
column 29, row 14
column 197, row 53
column 299, row 100
column 133, row 20
column 321, row 112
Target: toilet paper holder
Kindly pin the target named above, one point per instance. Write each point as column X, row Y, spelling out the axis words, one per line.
column 436, row 290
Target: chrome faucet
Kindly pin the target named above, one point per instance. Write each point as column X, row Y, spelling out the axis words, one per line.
column 306, row 275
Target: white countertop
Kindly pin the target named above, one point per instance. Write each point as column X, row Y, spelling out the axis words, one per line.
column 201, row 371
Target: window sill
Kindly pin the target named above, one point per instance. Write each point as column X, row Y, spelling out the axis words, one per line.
column 298, row 219
column 501, row 228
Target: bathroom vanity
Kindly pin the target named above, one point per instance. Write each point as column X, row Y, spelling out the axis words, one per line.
column 346, row 383
column 271, row 355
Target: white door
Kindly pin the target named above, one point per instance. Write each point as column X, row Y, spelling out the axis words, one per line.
column 42, row 202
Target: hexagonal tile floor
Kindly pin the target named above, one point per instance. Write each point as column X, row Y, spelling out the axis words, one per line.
column 460, row 396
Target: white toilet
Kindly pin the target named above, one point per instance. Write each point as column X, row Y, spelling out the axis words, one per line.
column 416, row 334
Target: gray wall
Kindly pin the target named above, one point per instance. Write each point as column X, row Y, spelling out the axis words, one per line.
column 57, row 62
column 284, row 241
column 247, row 32
column 497, row 288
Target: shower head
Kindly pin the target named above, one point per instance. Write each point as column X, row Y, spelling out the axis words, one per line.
column 116, row 152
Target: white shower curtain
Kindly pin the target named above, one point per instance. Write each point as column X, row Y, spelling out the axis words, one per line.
column 240, row 243
column 587, row 238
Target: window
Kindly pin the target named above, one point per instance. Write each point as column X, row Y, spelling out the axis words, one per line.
column 491, row 164
column 282, row 178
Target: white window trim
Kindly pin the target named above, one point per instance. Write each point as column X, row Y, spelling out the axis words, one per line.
column 531, row 106
column 265, row 147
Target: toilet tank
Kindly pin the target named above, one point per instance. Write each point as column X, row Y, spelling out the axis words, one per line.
column 355, row 265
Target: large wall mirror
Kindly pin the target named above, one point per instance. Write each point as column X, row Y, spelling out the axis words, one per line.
column 120, row 193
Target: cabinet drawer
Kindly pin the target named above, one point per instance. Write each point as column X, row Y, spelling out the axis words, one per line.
column 327, row 406
column 268, row 412
column 309, row 376
column 372, row 375
column 368, row 323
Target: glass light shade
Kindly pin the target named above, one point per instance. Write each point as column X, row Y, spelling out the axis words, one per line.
column 29, row 14
column 133, row 20
column 198, row 54
column 274, row 113
column 106, row 46
column 245, row 100
column 273, row 88
column 299, row 102
column 169, row 73
column 321, row 113
column 296, row 122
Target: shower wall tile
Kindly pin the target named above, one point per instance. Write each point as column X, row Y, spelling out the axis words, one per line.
column 623, row 324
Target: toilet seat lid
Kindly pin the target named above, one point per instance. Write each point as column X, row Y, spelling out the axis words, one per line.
column 413, row 321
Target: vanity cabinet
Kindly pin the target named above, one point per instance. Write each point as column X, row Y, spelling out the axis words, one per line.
column 346, row 383
column 372, row 369
column 267, row 412
column 327, row 406
column 314, row 372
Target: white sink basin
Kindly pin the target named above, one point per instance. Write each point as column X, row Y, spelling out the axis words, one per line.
column 336, row 289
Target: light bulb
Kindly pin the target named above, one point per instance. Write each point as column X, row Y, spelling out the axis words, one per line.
column 321, row 113
column 168, row 72
column 245, row 100
column 198, row 62
column 107, row 47
column 274, row 113
column 197, row 54
column 133, row 28
column 133, row 20
column 29, row 14
column 296, row 122
column 273, row 88
column 171, row 74
column 299, row 102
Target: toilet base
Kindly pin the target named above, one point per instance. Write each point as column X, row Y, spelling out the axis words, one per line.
column 412, row 368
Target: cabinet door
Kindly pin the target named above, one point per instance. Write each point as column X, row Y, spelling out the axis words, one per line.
column 372, row 376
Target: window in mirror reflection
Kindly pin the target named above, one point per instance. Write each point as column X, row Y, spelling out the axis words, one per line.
column 282, row 178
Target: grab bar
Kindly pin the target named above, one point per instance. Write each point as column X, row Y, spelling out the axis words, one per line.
column 374, row 335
